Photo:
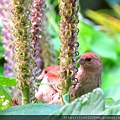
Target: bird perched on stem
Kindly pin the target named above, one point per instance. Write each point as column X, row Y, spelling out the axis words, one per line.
column 88, row 78
column 88, row 75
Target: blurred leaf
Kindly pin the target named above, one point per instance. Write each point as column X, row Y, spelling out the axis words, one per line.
column 113, row 110
column 105, row 19
column 109, row 102
column 5, row 99
column 113, row 2
column 111, row 83
column 51, row 17
column 84, row 36
column 117, row 9
column 4, row 81
column 117, row 102
column 103, row 45
column 31, row 109
column 56, row 43
column 1, row 70
column 112, row 91
column 91, row 39
column 1, row 52
column 88, row 104
column 1, row 48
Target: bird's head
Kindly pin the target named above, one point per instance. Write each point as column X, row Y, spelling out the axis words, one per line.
column 90, row 61
column 50, row 70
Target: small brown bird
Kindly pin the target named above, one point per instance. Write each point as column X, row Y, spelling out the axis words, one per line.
column 88, row 75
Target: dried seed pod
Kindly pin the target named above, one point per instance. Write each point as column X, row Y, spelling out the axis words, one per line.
column 23, row 60
column 68, row 38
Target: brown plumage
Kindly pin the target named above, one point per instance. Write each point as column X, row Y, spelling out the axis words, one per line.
column 88, row 75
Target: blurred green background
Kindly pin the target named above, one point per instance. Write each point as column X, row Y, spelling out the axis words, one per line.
column 99, row 32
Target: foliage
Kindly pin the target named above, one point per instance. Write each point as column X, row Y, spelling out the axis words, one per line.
column 1, row 48
column 102, row 18
column 92, row 103
column 4, row 81
column 37, row 109
column 5, row 99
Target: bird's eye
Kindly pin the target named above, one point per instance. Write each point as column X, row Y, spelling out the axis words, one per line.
column 46, row 71
column 88, row 59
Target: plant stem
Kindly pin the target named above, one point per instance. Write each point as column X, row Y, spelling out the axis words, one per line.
column 68, row 38
column 22, row 38
column 25, row 96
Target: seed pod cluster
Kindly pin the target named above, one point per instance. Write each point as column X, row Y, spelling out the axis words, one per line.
column 69, row 45
column 22, row 37
column 37, row 15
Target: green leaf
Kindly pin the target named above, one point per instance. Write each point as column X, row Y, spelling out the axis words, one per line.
column 109, row 102
column 117, row 102
column 1, row 70
column 111, row 84
column 113, row 110
column 88, row 104
column 102, row 18
column 31, row 109
column 102, row 42
column 1, row 47
column 56, row 43
column 1, row 54
column 5, row 99
column 66, row 98
column 91, row 39
column 4, row 81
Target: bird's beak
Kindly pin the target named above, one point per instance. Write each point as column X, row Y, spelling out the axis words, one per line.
column 81, row 61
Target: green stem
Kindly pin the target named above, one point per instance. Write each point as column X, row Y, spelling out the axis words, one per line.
column 62, row 102
column 25, row 96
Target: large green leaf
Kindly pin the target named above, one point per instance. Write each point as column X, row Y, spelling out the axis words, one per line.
column 31, row 109
column 7, row 81
column 88, row 104
column 5, row 99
